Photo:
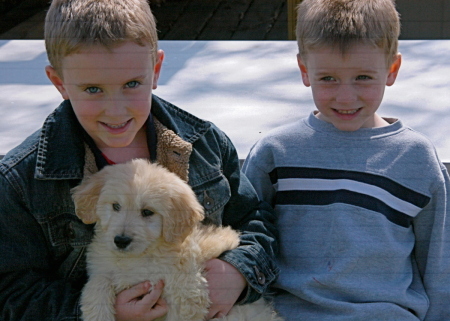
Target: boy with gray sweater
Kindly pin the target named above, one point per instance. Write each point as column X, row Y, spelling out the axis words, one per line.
column 361, row 200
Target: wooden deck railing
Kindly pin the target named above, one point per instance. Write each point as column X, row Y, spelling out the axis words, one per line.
column 292, row 17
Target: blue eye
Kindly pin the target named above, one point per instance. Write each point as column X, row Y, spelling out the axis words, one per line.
column 132, row 84
column 363, row 77
column 93, row 90
column 327, row 78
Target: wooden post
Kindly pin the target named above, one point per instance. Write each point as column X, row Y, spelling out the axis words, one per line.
column 292, row 17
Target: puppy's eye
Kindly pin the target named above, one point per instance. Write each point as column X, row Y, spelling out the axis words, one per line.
column 116, row 207
column 146, row 213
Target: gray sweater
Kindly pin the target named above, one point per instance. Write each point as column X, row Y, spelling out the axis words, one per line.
column 362, row 216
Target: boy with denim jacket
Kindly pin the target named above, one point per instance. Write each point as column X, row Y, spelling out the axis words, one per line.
column 361, row 200
column 105, row 63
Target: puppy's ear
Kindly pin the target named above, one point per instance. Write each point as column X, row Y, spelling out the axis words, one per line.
column 85, row 197
column 185, row 215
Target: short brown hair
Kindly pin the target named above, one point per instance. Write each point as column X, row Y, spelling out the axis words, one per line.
column 71, row 24
column 342, row 23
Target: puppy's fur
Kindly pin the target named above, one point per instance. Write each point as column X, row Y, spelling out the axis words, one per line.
column 148, row 228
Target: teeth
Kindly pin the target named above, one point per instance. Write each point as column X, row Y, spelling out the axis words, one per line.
column 116, row 126
column 347, row 112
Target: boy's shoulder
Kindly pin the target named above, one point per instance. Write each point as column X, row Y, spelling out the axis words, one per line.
column 292, row 132
column 59, row 135
column 281, row 140
column 285, row 132
column 417, row 144
column 405, row 135
column 188, row 126
column 27, row 150
column 176, row 118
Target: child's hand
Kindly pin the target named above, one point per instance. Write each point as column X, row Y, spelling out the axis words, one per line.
column 225, row 284
column 137, row 303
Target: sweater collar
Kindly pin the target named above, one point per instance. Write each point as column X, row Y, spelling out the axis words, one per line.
column 319, row 125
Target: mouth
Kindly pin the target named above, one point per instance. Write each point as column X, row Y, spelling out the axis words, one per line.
column 347, row 111
column 116, row 126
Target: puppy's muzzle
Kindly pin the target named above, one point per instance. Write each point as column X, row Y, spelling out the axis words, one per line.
column 122, row 241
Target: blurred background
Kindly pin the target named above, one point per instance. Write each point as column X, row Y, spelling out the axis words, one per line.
column 228, row 19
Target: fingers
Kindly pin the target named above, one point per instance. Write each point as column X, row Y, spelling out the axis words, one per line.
column 216, row 313
column 159, row 309
column 133, row 293
column 141, row 302
column 151, row 297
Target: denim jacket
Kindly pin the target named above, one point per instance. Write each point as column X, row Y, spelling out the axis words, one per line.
column 43, row 243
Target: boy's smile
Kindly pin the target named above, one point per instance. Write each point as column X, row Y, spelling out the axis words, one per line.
column 348, row 90
column 110, row 91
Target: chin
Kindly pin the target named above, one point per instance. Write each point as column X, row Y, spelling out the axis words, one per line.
column 118, row 143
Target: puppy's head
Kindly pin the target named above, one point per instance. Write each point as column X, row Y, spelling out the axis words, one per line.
column 137, row 204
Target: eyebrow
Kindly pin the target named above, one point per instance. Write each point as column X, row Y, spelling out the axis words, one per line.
column 321, row 72
column 87, row 85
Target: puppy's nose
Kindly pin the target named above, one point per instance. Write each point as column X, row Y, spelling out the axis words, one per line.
column 122, row 241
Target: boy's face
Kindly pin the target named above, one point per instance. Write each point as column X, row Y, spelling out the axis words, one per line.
column 110, row 90
column 348, row 90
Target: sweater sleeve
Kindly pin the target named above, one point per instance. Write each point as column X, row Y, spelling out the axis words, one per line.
column 432, row 249
column 257, row 168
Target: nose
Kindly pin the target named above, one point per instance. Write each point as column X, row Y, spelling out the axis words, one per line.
column 346, row 94
column 122, row 241
column 116, row 105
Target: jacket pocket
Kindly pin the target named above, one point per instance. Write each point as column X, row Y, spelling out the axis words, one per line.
column 66, row 229
column 213, row 194
column 68, row 238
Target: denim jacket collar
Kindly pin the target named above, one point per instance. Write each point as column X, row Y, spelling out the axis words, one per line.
column 61, row 151
column 190, row 128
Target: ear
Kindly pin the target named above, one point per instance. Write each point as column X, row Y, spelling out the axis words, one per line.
column 304, row 71
column 57, row 81
column 85, row 196
column 393, row 70
column 157, row 68
column 185, row 215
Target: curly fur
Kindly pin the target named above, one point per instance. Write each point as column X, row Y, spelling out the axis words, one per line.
column 166, row 241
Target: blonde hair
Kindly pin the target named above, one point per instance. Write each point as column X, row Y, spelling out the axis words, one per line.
column 72, row 24
column 342, row 23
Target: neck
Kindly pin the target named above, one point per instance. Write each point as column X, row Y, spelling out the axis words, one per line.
column 380, row 122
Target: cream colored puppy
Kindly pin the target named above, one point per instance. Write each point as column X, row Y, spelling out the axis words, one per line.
column 148, row 228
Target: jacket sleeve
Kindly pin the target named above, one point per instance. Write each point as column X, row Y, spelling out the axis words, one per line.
column 29, row 288
column 254, row 258
column 432, row 249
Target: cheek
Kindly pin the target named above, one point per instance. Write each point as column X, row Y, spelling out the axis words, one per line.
column 141, row 95
column 86, row 109
column 373, row 94
column 322, row 94
column 141, row 108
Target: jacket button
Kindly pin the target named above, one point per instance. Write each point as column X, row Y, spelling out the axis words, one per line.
column 208, row 202
column 70, row 233
column 261, row 278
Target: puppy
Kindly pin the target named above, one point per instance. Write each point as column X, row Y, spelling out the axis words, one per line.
column 148, row 228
